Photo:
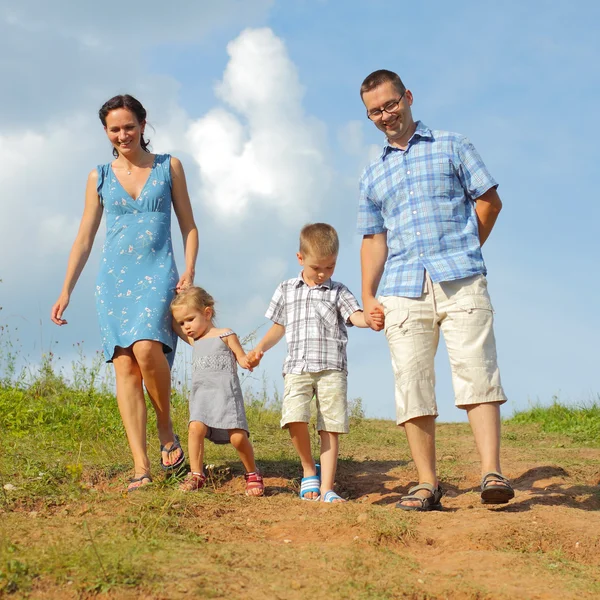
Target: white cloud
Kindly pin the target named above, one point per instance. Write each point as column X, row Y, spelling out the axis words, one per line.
column 268, row 154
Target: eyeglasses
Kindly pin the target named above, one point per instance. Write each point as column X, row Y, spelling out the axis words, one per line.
column 390, row 108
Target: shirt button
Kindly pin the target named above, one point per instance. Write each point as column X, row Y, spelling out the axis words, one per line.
column 414, row 212
column 421, row 254
column 411, row 192
column 408, row 172
column 418, row 233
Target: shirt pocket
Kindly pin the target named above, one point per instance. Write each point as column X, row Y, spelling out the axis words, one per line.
column 326, row 312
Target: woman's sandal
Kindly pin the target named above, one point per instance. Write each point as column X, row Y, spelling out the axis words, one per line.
column 333, row 498
column 192, row 482
column 429, row 503
column 254, row 481
column 496, row 489
column 135, row 483
column 311, row 484
column 174, row 446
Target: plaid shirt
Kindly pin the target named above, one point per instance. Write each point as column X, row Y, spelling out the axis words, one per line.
column 423, row 197
column 315, row 320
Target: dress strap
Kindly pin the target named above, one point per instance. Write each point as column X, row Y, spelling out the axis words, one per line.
column 227, row 333
column 101, row 175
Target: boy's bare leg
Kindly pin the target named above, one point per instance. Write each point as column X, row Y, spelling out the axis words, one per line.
column 301, row 440
column 330, row 445
column 196, row 433
column 485, row 423
column 420, row 433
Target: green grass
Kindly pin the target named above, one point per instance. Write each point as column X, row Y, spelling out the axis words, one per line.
column 580, row 424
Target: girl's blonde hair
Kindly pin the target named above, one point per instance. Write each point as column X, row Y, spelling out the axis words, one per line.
column 195, row 297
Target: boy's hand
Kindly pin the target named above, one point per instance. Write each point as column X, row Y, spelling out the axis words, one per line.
column 377, row 318
column 254, row 357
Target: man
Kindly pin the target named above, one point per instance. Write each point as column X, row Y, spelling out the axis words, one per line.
column 427, row 205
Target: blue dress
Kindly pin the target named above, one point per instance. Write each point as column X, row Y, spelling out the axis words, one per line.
column 137, row 277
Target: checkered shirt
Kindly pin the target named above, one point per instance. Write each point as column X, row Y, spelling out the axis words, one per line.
column 424, row 198
column 315, row 320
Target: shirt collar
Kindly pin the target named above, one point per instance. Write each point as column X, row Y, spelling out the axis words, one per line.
column 300, row 281
column 421, row 132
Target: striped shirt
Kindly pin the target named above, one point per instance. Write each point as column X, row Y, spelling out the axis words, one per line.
column 424, row 198
column 315, row 320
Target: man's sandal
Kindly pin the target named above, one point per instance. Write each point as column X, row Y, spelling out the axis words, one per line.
column 332, row 497
column 254, row 481
column 174, row 446
column 135, row 483
column 311, row 484
column 429, row 503
column 192, row 482
column 496, row 489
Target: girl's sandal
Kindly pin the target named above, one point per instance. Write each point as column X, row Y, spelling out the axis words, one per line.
column 254, row 484
column 192, row 482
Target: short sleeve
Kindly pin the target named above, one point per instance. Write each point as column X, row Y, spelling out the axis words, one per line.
column 347, row 304
column 101, row 169
column 163, row 162
column 370, row 218
column 276, row 310
column 472, row 172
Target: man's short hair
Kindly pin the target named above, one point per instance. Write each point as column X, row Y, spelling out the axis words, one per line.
column 377, row 78
column 319, row 240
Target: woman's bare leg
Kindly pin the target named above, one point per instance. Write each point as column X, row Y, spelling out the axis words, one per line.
column 132, row 406
column 157, row 379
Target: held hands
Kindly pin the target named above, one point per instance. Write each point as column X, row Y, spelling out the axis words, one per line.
column 254, row 357
column 374, row 315
column 58, row 309
column 185, row 281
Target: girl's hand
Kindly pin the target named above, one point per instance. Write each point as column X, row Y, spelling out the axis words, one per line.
column 58, row 309
column 185, row 281
column 253, row 357
column 245, row 363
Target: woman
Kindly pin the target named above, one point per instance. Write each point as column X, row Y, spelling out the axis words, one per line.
column 138, row 277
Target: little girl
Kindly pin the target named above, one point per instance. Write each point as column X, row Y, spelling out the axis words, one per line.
column 216, row 403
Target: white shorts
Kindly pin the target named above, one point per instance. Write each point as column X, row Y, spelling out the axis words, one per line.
column 330, row 389
column 463, row 311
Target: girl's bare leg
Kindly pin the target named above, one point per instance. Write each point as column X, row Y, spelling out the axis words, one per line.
column 196, row 433
column 240, row 441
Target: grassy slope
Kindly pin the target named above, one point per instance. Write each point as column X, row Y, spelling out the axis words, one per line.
column 67, row 529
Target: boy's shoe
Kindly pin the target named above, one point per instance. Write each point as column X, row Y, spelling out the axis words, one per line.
column 192, row 482
column 311, row 484
column 332, row 497
column 254, row 484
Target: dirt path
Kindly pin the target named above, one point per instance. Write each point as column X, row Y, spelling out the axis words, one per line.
column 219, row 544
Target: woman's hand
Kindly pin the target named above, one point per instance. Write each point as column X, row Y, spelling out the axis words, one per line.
column 58, row 309
column 185, row 281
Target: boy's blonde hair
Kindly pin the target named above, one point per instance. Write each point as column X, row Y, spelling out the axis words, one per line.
column 195, row 297
column 319, row 240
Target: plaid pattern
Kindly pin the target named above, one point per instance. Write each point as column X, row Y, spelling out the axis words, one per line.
column 315, row 320
column 423, row 197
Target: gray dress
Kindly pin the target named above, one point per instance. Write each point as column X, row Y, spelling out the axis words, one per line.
column 216, row 398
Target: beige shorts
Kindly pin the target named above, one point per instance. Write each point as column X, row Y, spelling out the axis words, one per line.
column 463, row 311
column 330, row 389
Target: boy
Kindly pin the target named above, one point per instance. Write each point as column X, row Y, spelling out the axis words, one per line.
column 312, row 311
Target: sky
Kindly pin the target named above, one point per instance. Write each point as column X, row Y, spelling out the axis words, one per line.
column 260, row 102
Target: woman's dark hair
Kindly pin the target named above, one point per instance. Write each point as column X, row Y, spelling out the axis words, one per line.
column 130, row 103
